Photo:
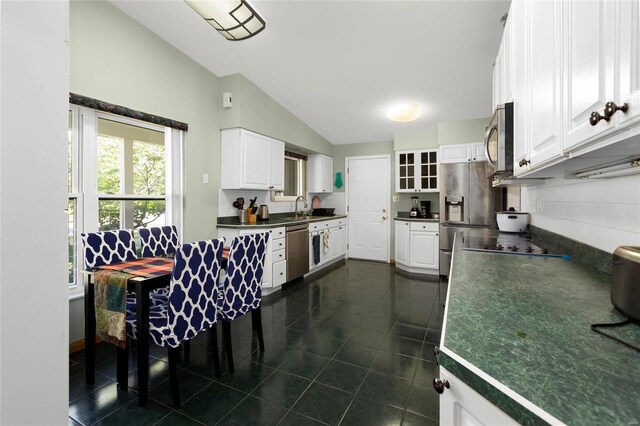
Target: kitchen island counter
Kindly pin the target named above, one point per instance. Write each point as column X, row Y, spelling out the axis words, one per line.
column 517, row 330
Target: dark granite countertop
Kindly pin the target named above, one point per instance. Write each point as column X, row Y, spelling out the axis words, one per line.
column 517, row 330
column 275, row 220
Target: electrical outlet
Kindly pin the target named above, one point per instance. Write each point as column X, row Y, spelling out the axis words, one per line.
column 396, row 198
column 205, row 178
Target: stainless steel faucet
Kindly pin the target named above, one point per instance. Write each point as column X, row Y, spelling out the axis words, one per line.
column 305, row 206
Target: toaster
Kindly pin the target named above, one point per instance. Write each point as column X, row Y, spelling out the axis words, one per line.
column 625, row 285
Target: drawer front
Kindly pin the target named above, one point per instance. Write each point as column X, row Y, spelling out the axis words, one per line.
column 277, row 233
column 316, row 226
column 279, row 273
column 279, row 244
column 424, row 226
column 279, row 255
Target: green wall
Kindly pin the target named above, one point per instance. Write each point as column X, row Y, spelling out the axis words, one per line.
column 463, row 131
column 255, row 110
column 416, row 140
column 115, row 59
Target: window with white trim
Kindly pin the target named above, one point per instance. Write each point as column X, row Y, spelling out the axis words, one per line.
column 123, row 174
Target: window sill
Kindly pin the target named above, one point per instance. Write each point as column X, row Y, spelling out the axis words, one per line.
column 75, row 293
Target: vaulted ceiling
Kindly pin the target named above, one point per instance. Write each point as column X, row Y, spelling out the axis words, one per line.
column 338, row 65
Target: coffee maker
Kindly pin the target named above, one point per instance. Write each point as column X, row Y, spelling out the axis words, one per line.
column 425, row 208
column 415, row 210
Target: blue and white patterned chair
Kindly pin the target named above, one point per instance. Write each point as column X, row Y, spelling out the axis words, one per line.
column 108, row 247
column 158, row 241
column 242, row 287
column 192, row 306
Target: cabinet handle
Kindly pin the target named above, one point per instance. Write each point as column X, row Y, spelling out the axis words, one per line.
column 596, row 117
column 439, row 385
column 611, row 108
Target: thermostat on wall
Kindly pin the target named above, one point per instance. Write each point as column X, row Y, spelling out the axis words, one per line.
column 226, row 100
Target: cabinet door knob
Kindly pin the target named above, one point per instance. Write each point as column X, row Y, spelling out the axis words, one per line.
column 524, row 162
column 596, row 117
column 439, row 385
column 611, row 108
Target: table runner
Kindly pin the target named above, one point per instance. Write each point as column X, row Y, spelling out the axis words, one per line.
column 110, row 295
column 146, row 267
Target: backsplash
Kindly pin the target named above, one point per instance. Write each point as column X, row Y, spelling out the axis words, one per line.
column 603, row 213
column 228, row 196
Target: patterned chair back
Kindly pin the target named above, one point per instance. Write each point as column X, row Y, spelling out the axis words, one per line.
column 158, row 241
column 242, row 289
column 193, row 293
column 105, row 248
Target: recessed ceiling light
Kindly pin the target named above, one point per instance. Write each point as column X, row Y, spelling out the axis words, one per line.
column 404, row 112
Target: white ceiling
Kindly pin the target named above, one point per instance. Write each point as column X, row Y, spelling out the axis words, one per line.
column 337, row 65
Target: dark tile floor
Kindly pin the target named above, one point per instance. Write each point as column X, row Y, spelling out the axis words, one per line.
column 350, row 346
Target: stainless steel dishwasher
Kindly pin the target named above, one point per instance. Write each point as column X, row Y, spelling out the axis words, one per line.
column 297, row 249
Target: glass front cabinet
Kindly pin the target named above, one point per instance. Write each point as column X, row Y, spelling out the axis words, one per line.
column 417, row 171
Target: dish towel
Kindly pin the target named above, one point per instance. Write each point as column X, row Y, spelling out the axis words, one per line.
column 315, row 242
column 325, row 240
column 111, row 306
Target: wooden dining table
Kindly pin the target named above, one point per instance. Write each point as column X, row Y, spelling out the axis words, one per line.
column 148, row 274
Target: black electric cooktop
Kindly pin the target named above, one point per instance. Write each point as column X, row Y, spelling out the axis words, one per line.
column 508, row 244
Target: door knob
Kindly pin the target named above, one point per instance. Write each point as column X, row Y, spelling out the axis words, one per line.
column 596, row 117
column 611, row 108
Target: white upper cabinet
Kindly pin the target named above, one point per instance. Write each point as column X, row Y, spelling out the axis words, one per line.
column 251, row 161
column 461, row 153
column 576, row 63
column 277, row 165
column 544, row 95
column 589, row 49
column 628, row 88
column 417, row 171
column 502, row 69
column 518, row 16
column 602, row 55
column 319, row 173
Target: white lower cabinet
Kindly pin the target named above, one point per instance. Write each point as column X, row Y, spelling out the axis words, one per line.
column 422, row 250
column 402, row 242
column 417, row 247
column 334, row 232
column 461, row 405
column 275, row 262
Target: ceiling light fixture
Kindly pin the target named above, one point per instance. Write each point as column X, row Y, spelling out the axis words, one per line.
column 626, row 168
column 234, row 19
column 405, row 112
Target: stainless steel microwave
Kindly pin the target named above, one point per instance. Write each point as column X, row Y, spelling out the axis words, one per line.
column 498, row 141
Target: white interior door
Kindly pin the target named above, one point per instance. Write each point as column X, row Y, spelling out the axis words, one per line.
column 368, row 207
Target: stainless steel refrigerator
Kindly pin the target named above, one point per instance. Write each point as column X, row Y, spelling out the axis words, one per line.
column 467, row 200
